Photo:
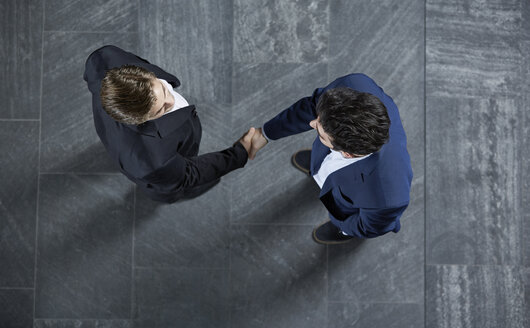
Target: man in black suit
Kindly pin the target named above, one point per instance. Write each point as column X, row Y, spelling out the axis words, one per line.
column 150, row 131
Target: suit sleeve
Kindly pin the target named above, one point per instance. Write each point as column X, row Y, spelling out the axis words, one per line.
column 181, row 173
column 370, row 223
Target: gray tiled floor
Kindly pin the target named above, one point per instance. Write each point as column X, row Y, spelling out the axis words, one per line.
column 79, row 247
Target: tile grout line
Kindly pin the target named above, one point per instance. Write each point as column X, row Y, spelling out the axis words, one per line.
column 38, row 166
column 425, row 164
column 327, row 246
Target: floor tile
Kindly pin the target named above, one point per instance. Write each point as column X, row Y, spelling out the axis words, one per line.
column 472, row 48
column 378, row 315
column 18, row 202
column 192, row 298
column 96, row 16
column 21, row 58
column 69, row 141
column 278, row 277
column 84, row 247
column 187, row 234
column 16, row 308
column 474, row 296
column 193, row 41
column 472, row 206
column 280, row 31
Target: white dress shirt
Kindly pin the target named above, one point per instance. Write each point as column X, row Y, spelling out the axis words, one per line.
column 180, row 102
column 334, row 161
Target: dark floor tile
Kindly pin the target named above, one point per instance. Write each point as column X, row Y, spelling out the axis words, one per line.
column 388, row 268
column 523, row 148
column 378, row 315
column 473, row 210
column 267, row 188
column 191, row 298
column 69, row 141
column 189, row 233
column 84, row 247
column 278, row 277
column 472, row 48
column 474, row 296
column 16, row 308
column 18, row 202
column 20, row 58
column 92, row 323
column 97, row 16
column 280, row 31
column 192, row 40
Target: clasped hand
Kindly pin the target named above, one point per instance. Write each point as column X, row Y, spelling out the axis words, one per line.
column 253, row 141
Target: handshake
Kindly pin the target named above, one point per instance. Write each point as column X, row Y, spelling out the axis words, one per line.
column 253, row 141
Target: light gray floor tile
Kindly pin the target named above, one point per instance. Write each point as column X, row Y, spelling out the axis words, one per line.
column 189, row 233
column 16, row 308
column 193, row 41
column 475, row 296
column 67, row 323
column 278, row 277
column 20, row 58
column 18, row 202
column 472, row 48
column 378, row 315
column 473, row 214
column 280, row 31
column 266, row 189
column 98, row 15
column 523, row 149
column 69, row 141
column 192, row 298
column 85, row 247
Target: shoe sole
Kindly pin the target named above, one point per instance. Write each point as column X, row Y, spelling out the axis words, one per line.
column 318, row 241
column 296, row 165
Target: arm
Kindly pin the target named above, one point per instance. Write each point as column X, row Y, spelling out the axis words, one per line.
column 370, row 223
column 181, row 173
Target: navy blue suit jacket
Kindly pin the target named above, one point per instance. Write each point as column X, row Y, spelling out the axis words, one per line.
column 365, row 199
column 160, row 155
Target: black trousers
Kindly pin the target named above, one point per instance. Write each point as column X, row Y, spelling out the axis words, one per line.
column 183, row 195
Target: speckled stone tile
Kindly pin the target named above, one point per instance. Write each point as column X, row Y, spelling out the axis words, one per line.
column 280, row 31
column 191, row 298
column 69, row 141
column 472, row 48
column 94, row 323
column 84, row 260
column 99, row 15
column 192, row 40
column 18, row 202
column 20, row 58
column 523, row 148
column 16, row 308
column 268, row 186
column 187, row 234
column 378, row 315
column 475, row 296
column 278, row 277
column 473, row 211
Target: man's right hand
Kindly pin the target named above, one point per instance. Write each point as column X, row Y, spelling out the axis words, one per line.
column 258, row 142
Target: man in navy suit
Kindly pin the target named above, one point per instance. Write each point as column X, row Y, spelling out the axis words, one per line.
column 359, row 158
column 150, row 131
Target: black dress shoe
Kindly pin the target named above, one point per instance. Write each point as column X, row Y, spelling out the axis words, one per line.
column 302, row 160
column 328, row 234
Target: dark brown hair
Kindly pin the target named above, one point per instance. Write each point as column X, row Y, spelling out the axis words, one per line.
column 357, row 122
column 127, row 94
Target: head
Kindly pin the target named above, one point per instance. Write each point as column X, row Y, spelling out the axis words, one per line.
column 133, row 95
column 354, row 123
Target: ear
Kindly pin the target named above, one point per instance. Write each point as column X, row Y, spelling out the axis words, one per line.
column 346, row 155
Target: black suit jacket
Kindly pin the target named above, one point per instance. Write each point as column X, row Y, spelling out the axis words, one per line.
column 160, row 156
